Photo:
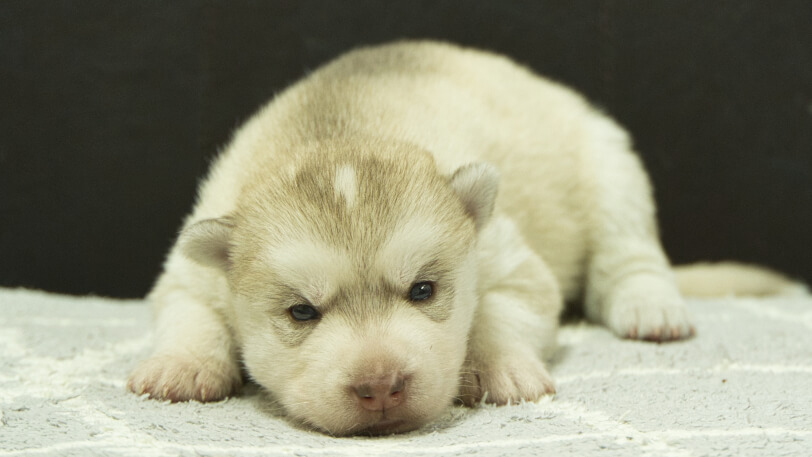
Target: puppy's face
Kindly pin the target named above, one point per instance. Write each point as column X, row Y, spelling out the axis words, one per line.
column 355, row 285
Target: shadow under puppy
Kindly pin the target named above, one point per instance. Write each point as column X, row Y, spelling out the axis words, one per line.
column 350, row 250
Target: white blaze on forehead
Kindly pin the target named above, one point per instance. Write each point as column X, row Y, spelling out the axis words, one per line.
column 313, row 268
column 345, row 184
column 409, row 248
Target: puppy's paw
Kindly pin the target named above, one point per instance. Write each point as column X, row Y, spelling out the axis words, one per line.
column 177, row 378
column 509, row 379
column 647, row 310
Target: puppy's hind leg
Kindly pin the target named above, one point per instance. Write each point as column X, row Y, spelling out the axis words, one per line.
column 195, row 357
column 630, row 285
column 515, row 324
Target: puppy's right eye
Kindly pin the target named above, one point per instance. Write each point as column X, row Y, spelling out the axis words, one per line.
column 303, row 312
column 421, row 291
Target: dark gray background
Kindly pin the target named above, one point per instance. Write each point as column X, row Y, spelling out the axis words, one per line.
column 111, row 111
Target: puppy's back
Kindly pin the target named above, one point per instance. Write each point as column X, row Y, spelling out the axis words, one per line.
column 463, row 106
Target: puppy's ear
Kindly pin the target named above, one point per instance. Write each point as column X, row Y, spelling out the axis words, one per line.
column 207, row 242
column 476, row 185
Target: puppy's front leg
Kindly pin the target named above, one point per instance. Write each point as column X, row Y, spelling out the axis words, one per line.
column 515, row 324
column 195, row 357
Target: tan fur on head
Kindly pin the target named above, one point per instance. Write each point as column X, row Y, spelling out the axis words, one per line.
column 349, row 232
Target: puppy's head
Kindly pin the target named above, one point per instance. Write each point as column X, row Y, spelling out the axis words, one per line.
column 354, row 282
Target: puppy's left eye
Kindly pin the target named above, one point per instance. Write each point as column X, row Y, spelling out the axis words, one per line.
column 421, row 291
column 303, row 312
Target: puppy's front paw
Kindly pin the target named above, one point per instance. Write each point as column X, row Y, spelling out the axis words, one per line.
column 177, row 378
column 509, row 379
column 647, row 310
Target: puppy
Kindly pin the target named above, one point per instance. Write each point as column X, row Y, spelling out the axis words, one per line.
column 350, row 250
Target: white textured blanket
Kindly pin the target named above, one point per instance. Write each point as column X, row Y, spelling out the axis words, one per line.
column 742, row 387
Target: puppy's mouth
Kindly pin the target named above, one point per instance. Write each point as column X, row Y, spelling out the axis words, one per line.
column 385, row 426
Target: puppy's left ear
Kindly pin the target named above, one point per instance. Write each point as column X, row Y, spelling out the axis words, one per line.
column 208, row 242
column 476, row 185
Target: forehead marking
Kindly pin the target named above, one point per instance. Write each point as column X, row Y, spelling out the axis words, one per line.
column 345, row 185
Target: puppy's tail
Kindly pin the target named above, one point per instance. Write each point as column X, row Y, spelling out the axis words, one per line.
column 732, row 278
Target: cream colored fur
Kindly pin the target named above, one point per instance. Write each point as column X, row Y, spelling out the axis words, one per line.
column 733, row 278
column 370, row 176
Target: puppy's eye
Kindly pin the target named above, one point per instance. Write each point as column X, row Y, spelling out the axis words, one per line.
column 421, row 291
column 303, row 312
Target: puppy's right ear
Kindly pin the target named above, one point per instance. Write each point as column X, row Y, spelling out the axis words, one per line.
column 208, row 242
column 476, row 185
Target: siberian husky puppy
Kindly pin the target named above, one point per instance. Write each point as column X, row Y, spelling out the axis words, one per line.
column 351, row 252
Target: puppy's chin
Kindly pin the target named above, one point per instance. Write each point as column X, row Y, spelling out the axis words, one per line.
column 388, row 426
column 375, row 424
column 380, row 427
